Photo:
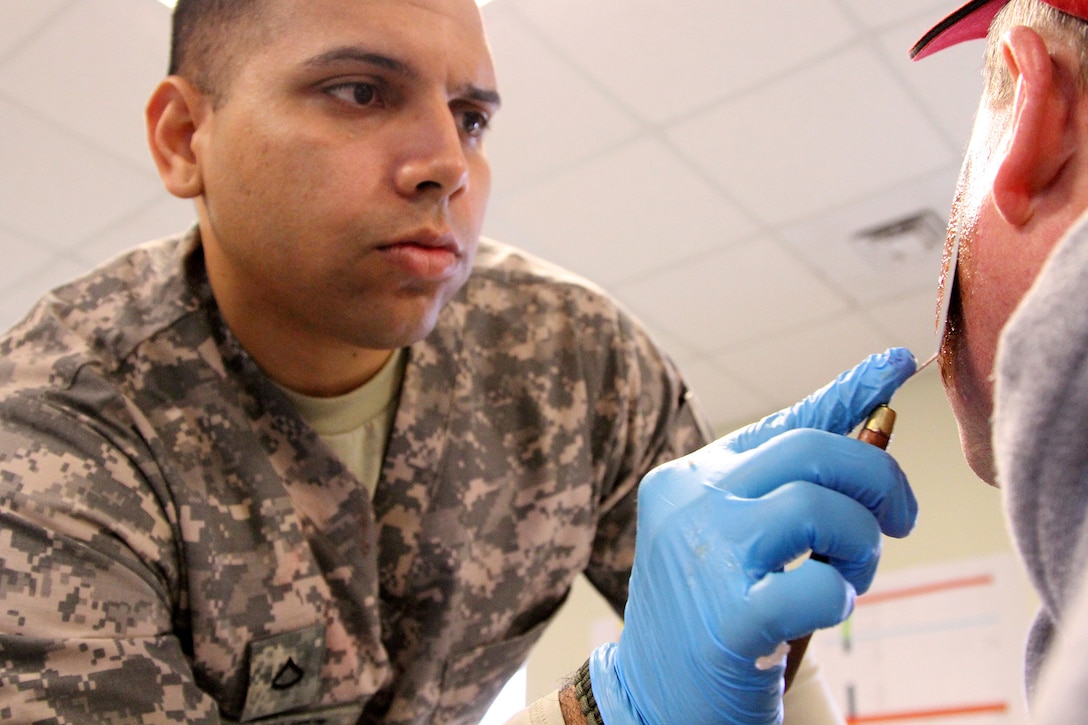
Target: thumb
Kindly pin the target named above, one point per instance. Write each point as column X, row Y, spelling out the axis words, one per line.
column 838, row 406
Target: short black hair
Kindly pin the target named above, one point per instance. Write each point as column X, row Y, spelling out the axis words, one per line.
column 205, row 38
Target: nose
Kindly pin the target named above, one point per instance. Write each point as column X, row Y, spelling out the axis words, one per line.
column 434, row 160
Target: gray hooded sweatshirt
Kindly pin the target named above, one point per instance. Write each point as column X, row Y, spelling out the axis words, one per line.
column 1041, row 446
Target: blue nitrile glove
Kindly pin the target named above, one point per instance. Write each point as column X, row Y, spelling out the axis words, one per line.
column 709, row 594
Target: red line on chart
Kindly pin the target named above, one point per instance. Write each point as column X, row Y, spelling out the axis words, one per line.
column 975, row 581
column 930, row 714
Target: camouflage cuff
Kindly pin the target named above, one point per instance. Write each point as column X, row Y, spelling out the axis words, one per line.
column 584, row 690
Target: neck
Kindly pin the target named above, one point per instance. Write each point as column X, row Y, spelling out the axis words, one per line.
column 320, row 372
column 294, row 353
column 305, row 360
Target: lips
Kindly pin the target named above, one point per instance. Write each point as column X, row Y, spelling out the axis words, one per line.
column 427, row 256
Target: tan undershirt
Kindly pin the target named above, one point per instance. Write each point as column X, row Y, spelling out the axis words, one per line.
column 356, row 425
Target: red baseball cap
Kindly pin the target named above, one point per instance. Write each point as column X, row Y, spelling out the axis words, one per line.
column 972, row 21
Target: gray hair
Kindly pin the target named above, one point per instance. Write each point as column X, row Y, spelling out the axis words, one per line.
column 1057, row 28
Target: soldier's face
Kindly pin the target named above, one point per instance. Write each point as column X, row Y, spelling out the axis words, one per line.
column 344, row 176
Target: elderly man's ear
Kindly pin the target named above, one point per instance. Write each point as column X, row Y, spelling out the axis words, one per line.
column 1042, row 134
column 173, row 115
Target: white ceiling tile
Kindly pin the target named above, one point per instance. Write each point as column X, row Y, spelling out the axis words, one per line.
column 21, row 257
column 17, row 300
column 82, row 73
column 60, row 189
column 678, row 351
column 23, row 18
column 498, row 225
column 663, row 59
column 789, row 366
column 947, row 84
column 645, row 209
column 725, row 402
column 828, row 240
column 909, row 321
column 835, row 131
column 160, row 218
column 879, row 13
column 728, row 298
column 552, row 116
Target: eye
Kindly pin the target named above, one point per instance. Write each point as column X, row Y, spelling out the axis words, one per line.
column 359, row 94
column 474, row 123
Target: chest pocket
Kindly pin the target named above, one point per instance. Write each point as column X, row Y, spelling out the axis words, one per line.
column 284, row 672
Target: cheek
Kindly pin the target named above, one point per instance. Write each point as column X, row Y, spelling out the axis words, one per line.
column 967, row 351
column 308, row 167
column 981, row 309
column 244, row 175
column 972, row 362
column 479, row 191
column 965, row 369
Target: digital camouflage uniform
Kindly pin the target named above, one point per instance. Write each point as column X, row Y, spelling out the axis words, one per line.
column 176, row 544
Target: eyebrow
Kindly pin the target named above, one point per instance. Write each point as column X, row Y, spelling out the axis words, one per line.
column 359, row 55
column 483, row 95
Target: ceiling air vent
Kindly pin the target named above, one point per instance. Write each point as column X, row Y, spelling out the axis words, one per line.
column 903, row 242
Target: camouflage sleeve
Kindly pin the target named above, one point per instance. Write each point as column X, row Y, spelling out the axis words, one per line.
column 87, row 558
column 657, row 420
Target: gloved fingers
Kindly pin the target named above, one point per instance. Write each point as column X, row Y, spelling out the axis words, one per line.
column 840, row 405
column 798, row 602
column 863, row 472
column 800, row 518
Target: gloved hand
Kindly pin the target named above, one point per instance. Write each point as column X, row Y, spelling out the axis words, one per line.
column 708, row 592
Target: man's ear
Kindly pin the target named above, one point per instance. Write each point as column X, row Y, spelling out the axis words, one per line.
column 174, row 112
column 1040, row 140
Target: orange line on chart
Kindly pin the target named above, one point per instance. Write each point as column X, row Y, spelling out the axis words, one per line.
column 930, row 714
column 975, row 581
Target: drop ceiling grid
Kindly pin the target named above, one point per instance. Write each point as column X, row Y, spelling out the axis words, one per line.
column 722, row 244
column 554, row 115
column 59, row 188
column 23, row 19
column 642, row 211
column 665, row 59
column 96, row 89
column 74, row 76
column 890, row 133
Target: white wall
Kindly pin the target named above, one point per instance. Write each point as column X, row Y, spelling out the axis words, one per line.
column 960, row 517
